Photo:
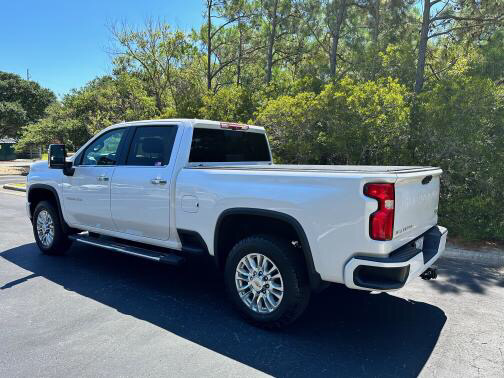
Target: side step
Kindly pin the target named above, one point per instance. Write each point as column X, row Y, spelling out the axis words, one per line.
column 166, row 258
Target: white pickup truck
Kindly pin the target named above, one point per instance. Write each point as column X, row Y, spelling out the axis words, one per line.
column 167, row 189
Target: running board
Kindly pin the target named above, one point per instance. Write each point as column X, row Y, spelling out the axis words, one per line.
column 166, row 258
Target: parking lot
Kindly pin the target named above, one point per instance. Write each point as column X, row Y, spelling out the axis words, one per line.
column 96, row 313
column 11, row 179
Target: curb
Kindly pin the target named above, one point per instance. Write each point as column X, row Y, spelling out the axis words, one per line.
column 16, row 188
column 487, row 257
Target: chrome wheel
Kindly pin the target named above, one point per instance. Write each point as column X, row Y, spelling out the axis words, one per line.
column 45, row 228
column 259, row 283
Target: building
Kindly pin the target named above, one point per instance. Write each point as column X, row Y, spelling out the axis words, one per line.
column 7, row 151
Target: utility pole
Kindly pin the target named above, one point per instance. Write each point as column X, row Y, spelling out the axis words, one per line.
column 27, row 74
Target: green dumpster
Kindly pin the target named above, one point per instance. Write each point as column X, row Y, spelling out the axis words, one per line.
column 7, row 151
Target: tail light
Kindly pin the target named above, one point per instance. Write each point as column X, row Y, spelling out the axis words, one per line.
column 381, row 222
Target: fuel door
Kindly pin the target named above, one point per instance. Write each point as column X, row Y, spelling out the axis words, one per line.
column 190, row 204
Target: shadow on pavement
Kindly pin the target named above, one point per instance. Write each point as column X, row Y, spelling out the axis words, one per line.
column 462, row 275
column 343, row 332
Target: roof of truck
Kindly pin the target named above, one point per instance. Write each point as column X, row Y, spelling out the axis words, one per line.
column 203, row 123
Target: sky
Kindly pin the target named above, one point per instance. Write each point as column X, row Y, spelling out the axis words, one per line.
column 64, row 43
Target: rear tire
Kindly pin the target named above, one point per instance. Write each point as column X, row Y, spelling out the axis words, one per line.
column 48, row 231
column 274, row 293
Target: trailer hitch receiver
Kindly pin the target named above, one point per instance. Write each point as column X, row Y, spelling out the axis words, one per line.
column 429, row 274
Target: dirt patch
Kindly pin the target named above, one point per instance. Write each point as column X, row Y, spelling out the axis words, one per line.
column 22, row 170
column 482, row 245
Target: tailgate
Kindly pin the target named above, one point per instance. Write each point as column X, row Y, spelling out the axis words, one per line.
column 416, row 203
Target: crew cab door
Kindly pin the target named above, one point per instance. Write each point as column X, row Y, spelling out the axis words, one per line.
column 141, row 188
column 86, row 194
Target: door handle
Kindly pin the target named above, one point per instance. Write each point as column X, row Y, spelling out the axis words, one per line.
column 158, row 180
column 102, row 178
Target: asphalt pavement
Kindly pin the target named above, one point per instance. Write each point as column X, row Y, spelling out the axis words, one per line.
column 96, row 313
column 10, row 179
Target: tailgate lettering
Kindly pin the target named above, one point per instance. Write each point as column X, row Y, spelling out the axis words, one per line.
column 404, row 229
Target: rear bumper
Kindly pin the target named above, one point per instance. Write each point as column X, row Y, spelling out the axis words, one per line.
column 400, row 267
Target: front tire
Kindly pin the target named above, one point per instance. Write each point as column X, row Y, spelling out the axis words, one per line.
column 48, row 231
column 266, row 281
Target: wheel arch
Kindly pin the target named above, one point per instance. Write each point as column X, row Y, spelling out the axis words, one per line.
column 281, row 222
column 43, row 192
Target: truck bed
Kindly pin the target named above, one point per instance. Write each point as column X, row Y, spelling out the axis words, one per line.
column 327, row 200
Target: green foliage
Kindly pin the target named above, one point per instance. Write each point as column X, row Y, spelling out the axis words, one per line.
column 58, row 126
column 347, row 123
column 12, row 116
column 21, row 102
column 230, row 104
column 84, row 112
column 156, row 53
column 491, row 61
column 398, row 61
column 189, row 88
column 290, row 124
column 463, row 133
column 108, row 100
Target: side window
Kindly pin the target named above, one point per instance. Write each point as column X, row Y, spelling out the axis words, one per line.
column 152, row 146
column 104, row 150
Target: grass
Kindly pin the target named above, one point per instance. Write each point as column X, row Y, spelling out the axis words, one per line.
column 19, row 185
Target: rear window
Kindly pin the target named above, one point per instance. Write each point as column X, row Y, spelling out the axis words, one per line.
column 210, row 145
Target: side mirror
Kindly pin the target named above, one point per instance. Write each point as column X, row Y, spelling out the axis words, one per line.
column 57, row 156
column 57, row 159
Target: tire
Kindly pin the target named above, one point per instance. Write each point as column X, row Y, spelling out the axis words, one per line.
column 46, row 219
column 270, row 312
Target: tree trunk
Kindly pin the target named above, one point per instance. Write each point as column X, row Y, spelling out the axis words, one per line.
column 375, row 12
column 419, row 80
column 271, row 42
column 159, row 102
column 209, row 45
column 335, row 31
column 374, row 9
column 422, row 48
column 240, row 52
